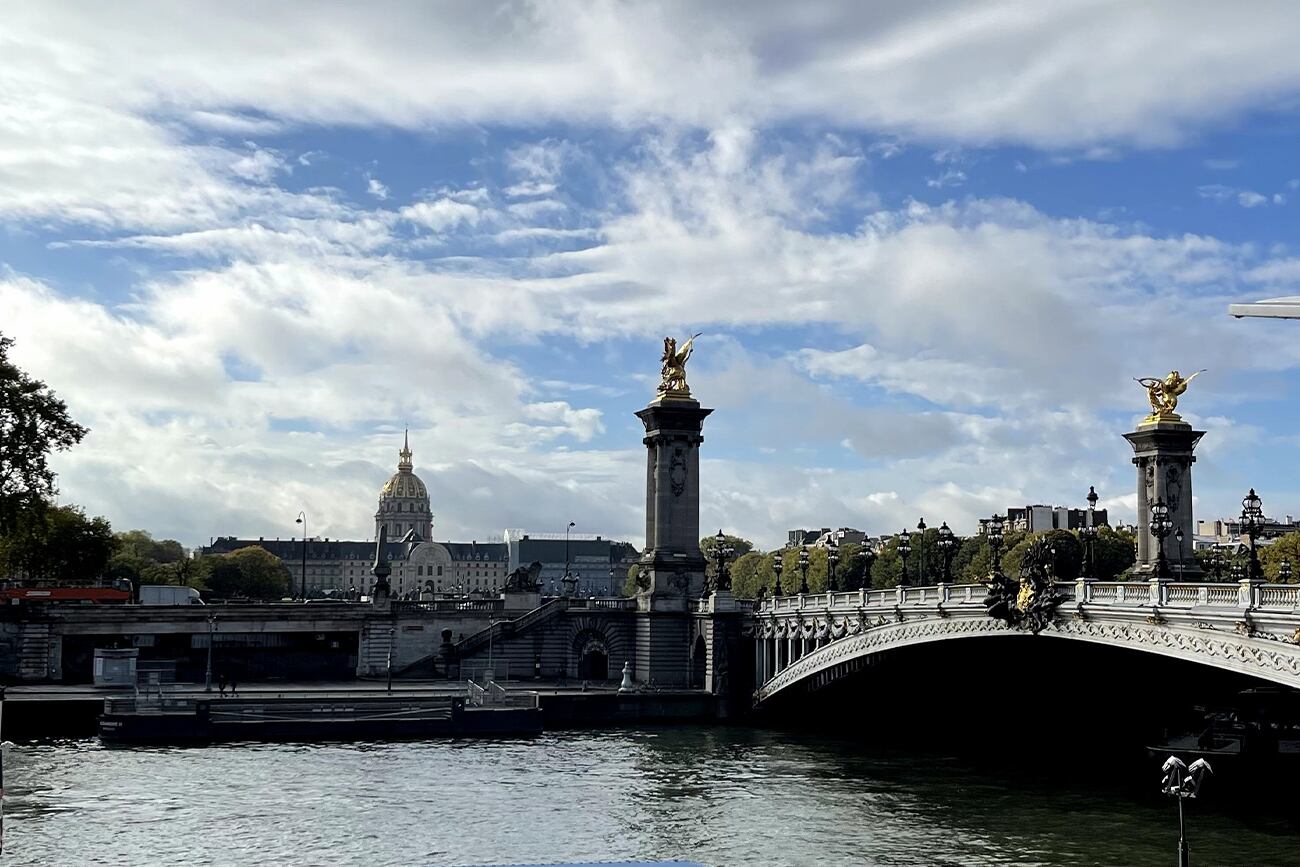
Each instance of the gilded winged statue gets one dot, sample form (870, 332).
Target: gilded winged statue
(1163, 393)
(673, 369)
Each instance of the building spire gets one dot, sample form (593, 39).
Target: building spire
(405, 453)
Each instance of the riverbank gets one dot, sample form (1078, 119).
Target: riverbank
(63, 711)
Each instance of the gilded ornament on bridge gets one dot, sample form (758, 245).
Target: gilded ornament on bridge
(1031, 602)
(673, 369)
(1163, 395)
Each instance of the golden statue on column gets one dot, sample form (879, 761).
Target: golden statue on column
(1163, 395)
(673, 369)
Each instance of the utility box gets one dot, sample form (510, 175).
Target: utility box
(115, 667)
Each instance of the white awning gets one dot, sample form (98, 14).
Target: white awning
(1272, 308)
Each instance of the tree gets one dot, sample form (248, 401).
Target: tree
(747, 574)
(33, 423)
(1115, 553)
(251, 572)
(57, 543)
(1284, 548)
(139, 554)
(1066, 562)
(974, 559)
(854, 570)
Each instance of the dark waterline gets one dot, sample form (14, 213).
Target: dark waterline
(722, 796)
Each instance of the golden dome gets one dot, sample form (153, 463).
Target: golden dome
(404, 483)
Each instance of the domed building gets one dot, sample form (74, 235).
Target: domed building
(404, 502)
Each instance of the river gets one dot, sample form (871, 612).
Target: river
(720, 796)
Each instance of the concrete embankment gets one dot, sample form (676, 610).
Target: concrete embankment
(32, 712)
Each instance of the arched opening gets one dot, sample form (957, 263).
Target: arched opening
(592, 655)
(699, 663)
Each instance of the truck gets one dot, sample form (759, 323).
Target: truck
(168, 594)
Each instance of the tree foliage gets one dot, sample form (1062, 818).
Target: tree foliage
(57, 543)
(1283, 548)
(33, 423)
(252, 572)
(142, 559)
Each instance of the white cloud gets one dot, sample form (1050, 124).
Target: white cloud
(376, 188)
(441, 214)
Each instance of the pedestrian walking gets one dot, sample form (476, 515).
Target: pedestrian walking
(221, 684)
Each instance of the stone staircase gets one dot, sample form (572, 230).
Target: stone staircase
(375, 645)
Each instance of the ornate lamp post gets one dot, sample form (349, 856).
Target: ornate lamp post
(1178, 535)
(723, 551)
(1252, 522)
(994, 533)
(777, 566)
(904, 551)
(947, 548)
(1089, 534)
(1218, 563)
(1284, 572)
(302, 519)
(1160, 527)
(832, 557)
(803, 570)
(920, 552)
(1238, 572)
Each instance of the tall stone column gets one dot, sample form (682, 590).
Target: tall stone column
(1163, 456)
(673, 562)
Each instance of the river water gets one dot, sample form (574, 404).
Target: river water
(720, 796)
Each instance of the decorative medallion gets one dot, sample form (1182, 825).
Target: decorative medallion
(677, 472)
(1031, 602)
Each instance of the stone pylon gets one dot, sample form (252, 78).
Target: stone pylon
(673, 564)
(1163, 457)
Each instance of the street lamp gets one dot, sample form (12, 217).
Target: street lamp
(947, 548)
(1284, 572)
(1218, 563)
(832, 557)
(723, 551)
(207, 676)
(904, 549)
(302, 519)
(1182, 782)
(1089, 534)
(920, 551)
(1160, 527)
(566, 550)
(1178, 534)
(777, 566)
(994, 533)
(1252, 522)
(803, 570)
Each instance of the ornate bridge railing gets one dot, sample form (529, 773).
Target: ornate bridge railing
(1244, 626)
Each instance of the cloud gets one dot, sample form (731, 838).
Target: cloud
(441, 214)
(975, 73)
(376, 188)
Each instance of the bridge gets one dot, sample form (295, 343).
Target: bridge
(1246, 627)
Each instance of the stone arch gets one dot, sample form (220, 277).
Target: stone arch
(591, 655)
(699, 662)
(1268, 659)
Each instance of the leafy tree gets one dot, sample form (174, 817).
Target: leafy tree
(139, 553)
(1115, 553)
(57, 543)
(1067, 561)
(747, 574)
(1284, 548)
(251, 572)
(33, 423)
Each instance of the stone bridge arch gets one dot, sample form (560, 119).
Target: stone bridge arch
(797, 643)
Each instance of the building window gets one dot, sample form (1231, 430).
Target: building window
(439, 571)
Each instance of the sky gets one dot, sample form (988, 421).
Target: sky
(928, 246)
